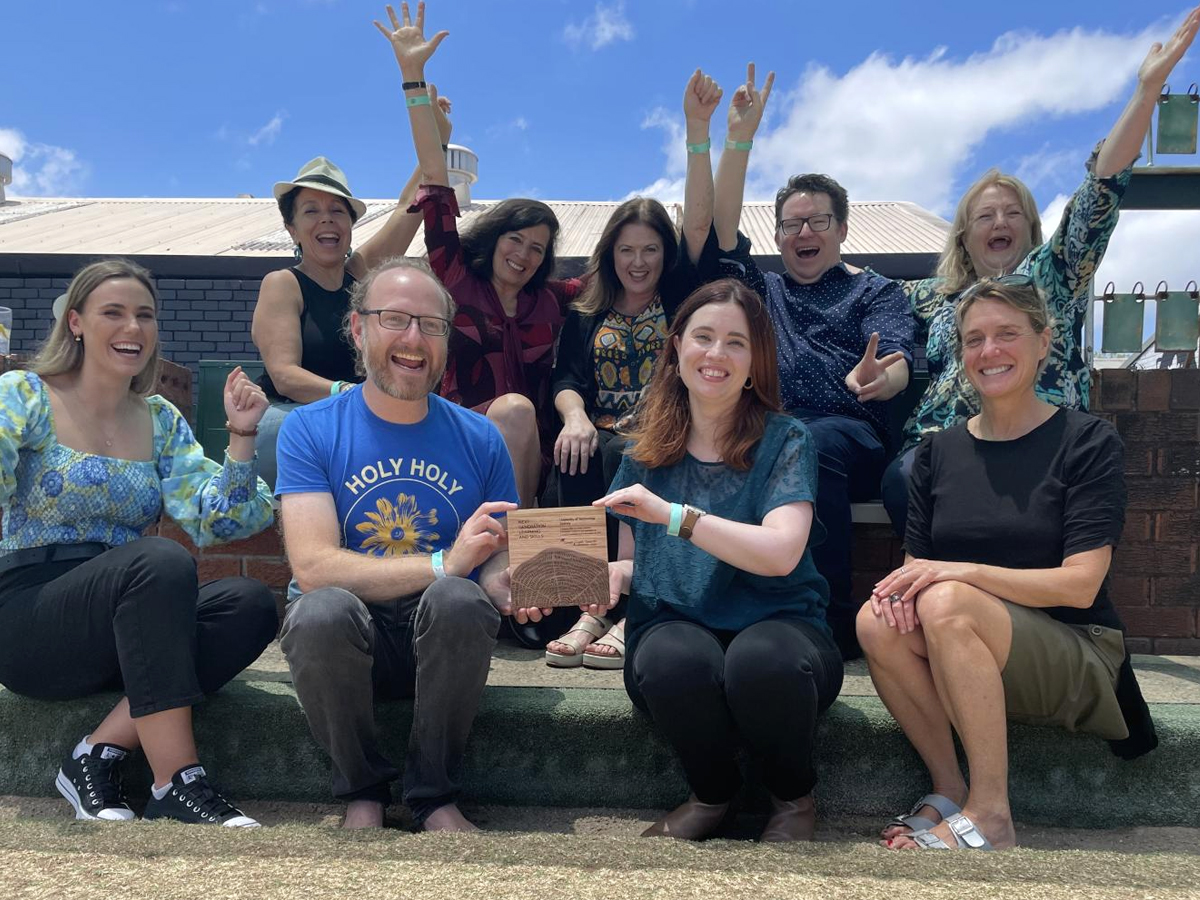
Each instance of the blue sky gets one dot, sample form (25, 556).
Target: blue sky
(571, 100)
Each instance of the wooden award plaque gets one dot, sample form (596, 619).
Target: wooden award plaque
(559, 557)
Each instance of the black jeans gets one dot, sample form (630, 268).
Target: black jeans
(435, 647)
(850, 461)
(133, 618)
(764, 686)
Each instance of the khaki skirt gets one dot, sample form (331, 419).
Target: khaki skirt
(1063, 675)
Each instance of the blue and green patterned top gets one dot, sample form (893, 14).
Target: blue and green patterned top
(52, 494)
(1063, 267)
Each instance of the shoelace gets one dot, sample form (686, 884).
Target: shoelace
(204, 798)
(102, 777)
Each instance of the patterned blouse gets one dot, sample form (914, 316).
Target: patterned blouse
(1063, 267)
(491, 352)
(52, 494)
(625, 349)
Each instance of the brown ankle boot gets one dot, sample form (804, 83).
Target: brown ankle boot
(690, 821)
(791, 820)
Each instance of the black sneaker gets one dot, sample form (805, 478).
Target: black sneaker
(194, 801)
(92, 784)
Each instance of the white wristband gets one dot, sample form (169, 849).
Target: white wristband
(439, 570)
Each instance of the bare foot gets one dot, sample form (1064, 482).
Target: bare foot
(998, 829)
(599, 648)
(363, 814)
(448, 818)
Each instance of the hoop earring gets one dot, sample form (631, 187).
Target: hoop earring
(749, 383)
(298, 253)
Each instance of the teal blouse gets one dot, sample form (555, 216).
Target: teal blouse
(52, 494)
(1063, 267)
(673, 578)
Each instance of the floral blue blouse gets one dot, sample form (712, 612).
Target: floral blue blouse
(1063, 267)
(52, 494)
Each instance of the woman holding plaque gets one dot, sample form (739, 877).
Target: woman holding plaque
(727, 639)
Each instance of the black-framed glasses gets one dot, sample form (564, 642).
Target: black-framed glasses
(819, 222)
(396, 320)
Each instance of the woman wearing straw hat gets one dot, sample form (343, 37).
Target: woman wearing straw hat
(297, 323)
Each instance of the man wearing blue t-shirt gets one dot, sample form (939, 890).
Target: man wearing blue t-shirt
(390, 497)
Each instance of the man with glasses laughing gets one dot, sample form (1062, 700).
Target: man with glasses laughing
(844, 340)
(392, 503)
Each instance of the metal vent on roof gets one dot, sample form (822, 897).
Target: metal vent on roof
(463, 168)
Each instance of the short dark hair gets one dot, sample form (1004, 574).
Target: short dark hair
(479, 244)
(814, 183)
(287, 205)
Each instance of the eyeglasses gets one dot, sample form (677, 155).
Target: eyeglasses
(985, 284)
(820, 222)
(395, 320)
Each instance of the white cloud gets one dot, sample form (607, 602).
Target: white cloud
(669, 188)
(270, 131)
(41, 169)
(606, 25)
(908, 129)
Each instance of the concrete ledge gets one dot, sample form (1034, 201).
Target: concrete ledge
(589, 747)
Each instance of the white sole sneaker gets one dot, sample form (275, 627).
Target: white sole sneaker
(67, 789)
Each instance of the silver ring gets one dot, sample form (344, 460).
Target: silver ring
(895, 597)
(903, 569)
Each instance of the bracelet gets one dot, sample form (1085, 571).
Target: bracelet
(699, 148)
(676, 519)
(419, 100)
(336, 387)
(253, 432)
(439, 570)
(413, 85)
(731, 144)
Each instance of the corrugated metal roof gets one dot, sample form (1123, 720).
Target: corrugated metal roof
(251, 228)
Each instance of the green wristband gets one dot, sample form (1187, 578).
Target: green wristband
(731, 144)
(335, 388)
(676, 519)
(699, 148)
(419, 100)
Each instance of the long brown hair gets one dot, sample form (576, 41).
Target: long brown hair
(664, 415)
(603, 287)
(61, 353)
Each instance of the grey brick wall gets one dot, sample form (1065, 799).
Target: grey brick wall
(198, 318)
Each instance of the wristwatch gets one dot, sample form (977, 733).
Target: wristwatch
(691, 515)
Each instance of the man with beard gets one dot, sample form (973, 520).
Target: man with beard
(390, 500)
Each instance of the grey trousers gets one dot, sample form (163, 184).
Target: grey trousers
(435, 647)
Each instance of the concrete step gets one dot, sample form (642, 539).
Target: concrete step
(555, 738)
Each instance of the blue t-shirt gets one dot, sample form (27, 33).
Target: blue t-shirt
(400, 490)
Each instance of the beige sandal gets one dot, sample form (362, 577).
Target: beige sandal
(607, 661)
(596, 626)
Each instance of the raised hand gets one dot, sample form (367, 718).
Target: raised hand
(746, 107)
(245, 402)
(408, 41)
(701, 97)
(1162, 57)
(869, 378)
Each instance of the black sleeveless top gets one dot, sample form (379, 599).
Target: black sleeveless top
(323, 351)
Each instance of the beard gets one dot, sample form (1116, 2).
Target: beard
(377, 361)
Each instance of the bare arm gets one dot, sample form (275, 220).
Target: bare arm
(772, 549)
(745, 114)
(1124, 142)
(412, 52)
(700, 99)
(313, 544)
(275, 330)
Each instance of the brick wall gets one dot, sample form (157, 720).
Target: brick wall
(199, 318)
(1155, 583)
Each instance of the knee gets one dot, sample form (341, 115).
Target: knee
(256, 607)
(514, 415)
(168, 565)
(322, 619)
(668, 665)
(875, 636)
(456, 606)
(945, 609)
(758, 663)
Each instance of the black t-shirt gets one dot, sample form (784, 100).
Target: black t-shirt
(1027, 503)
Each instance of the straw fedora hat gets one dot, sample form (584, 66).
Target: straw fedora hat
(322, 175)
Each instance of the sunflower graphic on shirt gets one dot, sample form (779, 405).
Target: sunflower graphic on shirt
(399, 529)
